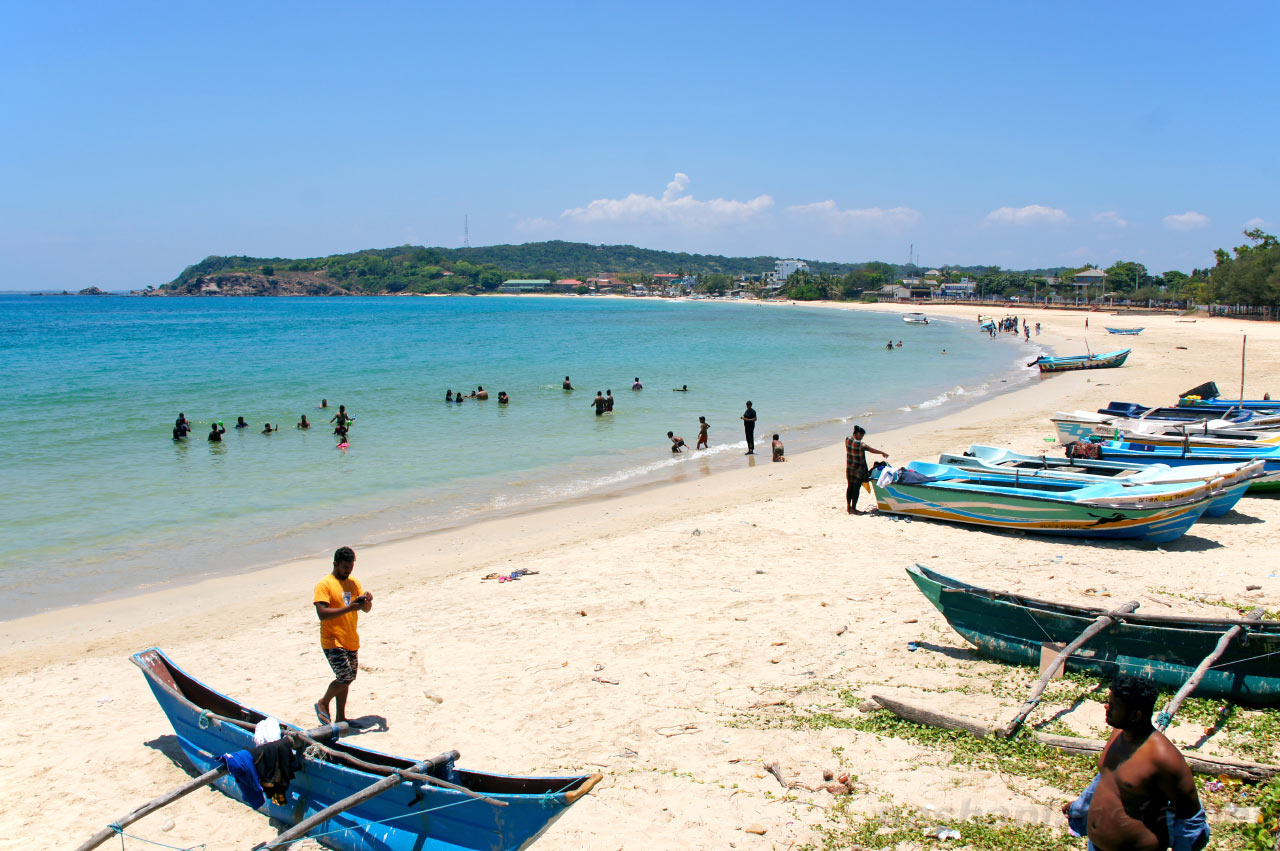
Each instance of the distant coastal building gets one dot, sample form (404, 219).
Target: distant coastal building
(524, 285)
(783, 269)
(963, 289)
(1089, 277)
(566, 285)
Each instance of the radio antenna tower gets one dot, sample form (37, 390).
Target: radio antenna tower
(466, 231)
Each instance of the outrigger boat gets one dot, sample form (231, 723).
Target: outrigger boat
(1050, 363)
(1182, 454)
(365, 800)
(1149, 513)
(1167, 649)
(1229, 481)
(1080, 425)
(1130, 331)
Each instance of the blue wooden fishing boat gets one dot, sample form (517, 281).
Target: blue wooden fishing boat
(1135, 411)
(1208, 396)
(1163, 648)
(1132, 452)
(1130, 331)
(1106, 360)
(1228, 481)
(411, 816)
(1149, 513)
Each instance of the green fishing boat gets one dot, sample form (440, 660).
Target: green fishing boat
(1162, 648)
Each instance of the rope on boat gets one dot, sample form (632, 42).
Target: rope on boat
(120, 830)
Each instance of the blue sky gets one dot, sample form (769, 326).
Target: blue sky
(141, 137)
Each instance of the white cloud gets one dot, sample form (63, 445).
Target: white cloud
(1032, 214)
(1111, 218)
(1189, 220)
(1256, 222)
(829, 212)
(536, 225)
(672, 208)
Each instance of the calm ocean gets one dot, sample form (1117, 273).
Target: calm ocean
(103, 502)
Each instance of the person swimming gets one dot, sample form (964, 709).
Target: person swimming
(324, 403)
(503, 398)
(448, 395)
(889, 345)
(240, 423)
(458, 397)
(683, 388)
(302, 423)
(267, 429)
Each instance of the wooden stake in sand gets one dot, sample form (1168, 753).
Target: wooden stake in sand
(1166, 715)
(1102, 622)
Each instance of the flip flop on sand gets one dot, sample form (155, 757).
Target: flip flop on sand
(322, 715)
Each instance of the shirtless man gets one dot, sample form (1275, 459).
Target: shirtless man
(481, 393)
(1143, 792)
(600, 402)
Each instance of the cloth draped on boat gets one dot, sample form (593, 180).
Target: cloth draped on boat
(1188, 834)
(240, 767)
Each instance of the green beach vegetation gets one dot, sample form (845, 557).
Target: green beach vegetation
(1249, 275)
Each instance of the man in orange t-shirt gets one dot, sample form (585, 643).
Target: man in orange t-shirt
(339, 599)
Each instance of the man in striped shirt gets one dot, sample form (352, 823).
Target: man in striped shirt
(855, 466)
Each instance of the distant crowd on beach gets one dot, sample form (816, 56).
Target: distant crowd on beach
(342, 422)
(1009, 325)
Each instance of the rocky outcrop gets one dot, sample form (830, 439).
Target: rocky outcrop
(250, 284)
(93, 291)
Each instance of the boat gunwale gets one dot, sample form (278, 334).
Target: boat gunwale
(1264, 627)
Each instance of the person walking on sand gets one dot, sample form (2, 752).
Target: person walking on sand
(749, 426)
(703, 427)
(1143, 796)
(855, 466)
(600, 402)
(339, 599)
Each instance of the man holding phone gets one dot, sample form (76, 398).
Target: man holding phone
(339, 599)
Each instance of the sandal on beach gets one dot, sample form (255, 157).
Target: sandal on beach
(322, 715)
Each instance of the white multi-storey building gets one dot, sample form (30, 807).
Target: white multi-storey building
(783, 269)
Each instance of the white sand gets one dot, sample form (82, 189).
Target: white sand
(701, 599)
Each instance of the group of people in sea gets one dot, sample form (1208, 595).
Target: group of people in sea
(1008, 325)
(479, 394)
(342, 422)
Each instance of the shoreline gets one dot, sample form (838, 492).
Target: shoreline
(376, 528)
(700, 599)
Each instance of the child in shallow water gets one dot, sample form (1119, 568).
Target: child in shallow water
(677, 443)
(778, 451)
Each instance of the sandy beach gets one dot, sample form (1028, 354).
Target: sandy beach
(718, 609)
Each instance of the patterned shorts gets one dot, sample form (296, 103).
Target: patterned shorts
(344, 663)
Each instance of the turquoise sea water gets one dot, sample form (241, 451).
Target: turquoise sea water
(102, 501)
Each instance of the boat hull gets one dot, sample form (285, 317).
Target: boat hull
(1155, 525)
(1145, 453)
(1164, 649)
(1133, 332)
(411, 815)
(1048, 363)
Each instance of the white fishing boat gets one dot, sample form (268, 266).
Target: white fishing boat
(915, 319)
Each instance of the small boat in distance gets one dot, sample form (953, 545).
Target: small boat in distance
(1106, 360)
(1133, 331)
(1163, 648)
(915, 319)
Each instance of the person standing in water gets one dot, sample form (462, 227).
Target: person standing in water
(779, 452)
(608, 401)
(1143, 796)
(749, 426)
(303, 423)
(703, 427)
(339, 599)
(567, 385)
(600, 402)
(341, 418)
(677, 443)
(637, 385)
(216, 431)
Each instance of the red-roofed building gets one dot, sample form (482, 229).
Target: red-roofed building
(565, 285)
